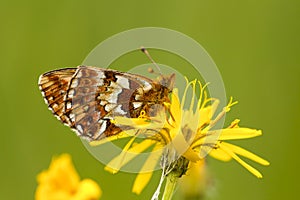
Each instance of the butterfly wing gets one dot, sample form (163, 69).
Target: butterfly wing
(96, 96)
(54, 86)
(91, 97)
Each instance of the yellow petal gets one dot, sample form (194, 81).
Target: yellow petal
(156, 122)
(237, 133)
(239, 160)
(61, 173)
(205, 115)
(246, 154)
(207, 112)
(205, 139)
(143, 178)
(225, 134)
(175, 107)
(195, 182)
(141, 181)
(127, 155)
(115, 165)
(87, 190)
(191, 121)
(123, 134)
(61, 182)
(183, 148)
(219, 154)
(134, 122)
(191, 155)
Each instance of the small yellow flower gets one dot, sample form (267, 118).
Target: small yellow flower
(61, 182)
(180, 136)
(196, 181)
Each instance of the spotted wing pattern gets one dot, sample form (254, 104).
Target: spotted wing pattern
(54, 86)
(87, 98)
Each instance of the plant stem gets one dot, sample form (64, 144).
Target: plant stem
(172, 179)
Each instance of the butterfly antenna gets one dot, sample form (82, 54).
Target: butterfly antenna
(144, 50)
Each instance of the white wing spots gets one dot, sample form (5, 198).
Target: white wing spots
(113, 97)
(137, 104)
(79, 73)
(46, 101)
(57, 117)
(71, 93)
(123, 82)
(79, 129)
(138, 97)
(40, 81)
(116, 109)
(103, 102)
(109, 89)
(109, 107)
(119, 110)
(69, 105)
(140, 91)
(108, 117)
(49, 106)
(101, 96)
(114, 85)
(100, 82)
(43, 93)
(147, 86)
(102, 127)
(76, 131)
(74, 83)
(100, 75)
(72, 117)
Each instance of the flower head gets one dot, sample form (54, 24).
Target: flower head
(180, 136)
(61, 182)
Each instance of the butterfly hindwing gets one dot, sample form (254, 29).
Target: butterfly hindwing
(95, 96)
(88, 98)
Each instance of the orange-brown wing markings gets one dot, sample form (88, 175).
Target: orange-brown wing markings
(54, 86)
(87, 98)
(96, 96)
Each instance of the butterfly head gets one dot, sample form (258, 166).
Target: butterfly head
(167, 81)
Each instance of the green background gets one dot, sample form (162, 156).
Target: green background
(255, 45)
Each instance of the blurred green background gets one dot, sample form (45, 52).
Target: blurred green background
(255, 44)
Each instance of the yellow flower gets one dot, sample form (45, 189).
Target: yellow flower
(61, 182)
(196, 181)
(180, 136)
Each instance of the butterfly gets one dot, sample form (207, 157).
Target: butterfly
(88, 98)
